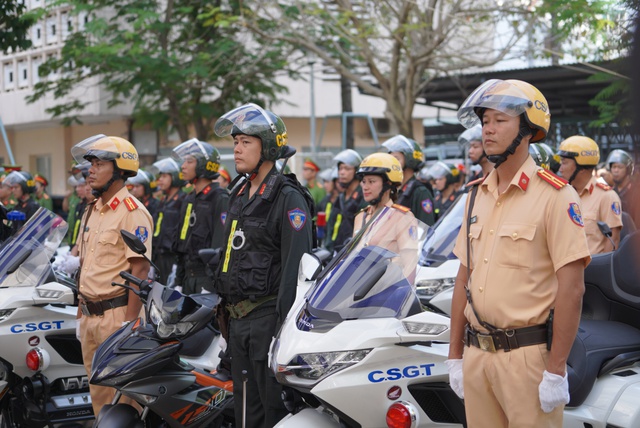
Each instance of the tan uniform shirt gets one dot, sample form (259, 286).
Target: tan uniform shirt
(103, 253)
(599, 202)
(519, 239)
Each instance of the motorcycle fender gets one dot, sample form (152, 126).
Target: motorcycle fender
(311, 418)
(626, 412)
(118, 416)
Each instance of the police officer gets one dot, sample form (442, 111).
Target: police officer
(143, 185)
(84, 193)
(165, 234)
(349, 202)
(621, 165)
(447, 176)
(522, 250)
(41, 196)
(412, 194)
(103, 308)
(6, 195)
(598, 202)
(267, 231)
(23, 186)
(472, 139)
(202, 216)
(310, 171)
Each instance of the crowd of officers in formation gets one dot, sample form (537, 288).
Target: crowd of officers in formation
(194, 203)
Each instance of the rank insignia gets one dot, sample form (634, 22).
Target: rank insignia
(427, 206)
(114, 204)
(130, 204)
(297, 218)
(575, 214)
(142, 233)
(615, 207)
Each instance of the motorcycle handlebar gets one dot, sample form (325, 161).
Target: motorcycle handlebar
(131, 278)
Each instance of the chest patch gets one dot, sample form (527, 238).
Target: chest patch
(574, 214)
(297, 219)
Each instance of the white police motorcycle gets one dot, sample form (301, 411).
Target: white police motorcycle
(358, 350)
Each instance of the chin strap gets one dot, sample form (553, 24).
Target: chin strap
(117, 174)
(253, 174)
(523, 132)
(385, 187)
(482, 156)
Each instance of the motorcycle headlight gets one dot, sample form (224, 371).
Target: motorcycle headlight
(307, 370)
(166, 330)
(427, 288)
(424, 328)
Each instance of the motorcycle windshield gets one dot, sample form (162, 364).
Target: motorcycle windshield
(25, 257)
(441, 238)
(372, 278)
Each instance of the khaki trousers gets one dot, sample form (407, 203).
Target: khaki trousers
(501, 388)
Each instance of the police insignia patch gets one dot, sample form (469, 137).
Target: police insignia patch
(223, 217)
(575, 214)
(615, 207)
(297, 218)
(427, 206)
(142, 233)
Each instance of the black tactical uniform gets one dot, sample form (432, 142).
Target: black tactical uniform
(28, 207)
(201, 225)
(166, 233)
(77, 220)
(343, 215)
(266, 235)
(416, 196)
(152, 205)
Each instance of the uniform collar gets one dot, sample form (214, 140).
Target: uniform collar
(115, 200)
(262, 186)
(520, 180)
(588, 188)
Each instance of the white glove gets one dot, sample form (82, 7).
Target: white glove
(178, 288)
(70, 264)
(205, 291)
(455, 376)
(78, 328)
(553, 391)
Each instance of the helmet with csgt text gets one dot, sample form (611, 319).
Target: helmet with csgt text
(512, 97)
(168, 166)
(582, 149)
(382, 164)
(22, 179)
(251, 119)
(413, 156)
(206, 156)
(111, 148)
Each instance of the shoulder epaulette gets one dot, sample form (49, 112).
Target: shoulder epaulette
(604, 186)
(476, 182)
(130, 204)
(400, 208)
(552, 179)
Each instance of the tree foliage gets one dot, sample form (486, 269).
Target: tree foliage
(394, 48)
(180, 62)
(14, 25)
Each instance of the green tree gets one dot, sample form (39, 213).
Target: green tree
(394, 48)
(181, 63)
(14, 25)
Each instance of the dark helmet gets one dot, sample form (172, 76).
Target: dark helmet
(349, 157)
(251, 119)
(206, 155)
(145, 179)
(169, 166)
(22, 178)
(80, 172)
(413, 156)
(450, 171)
(620, 156)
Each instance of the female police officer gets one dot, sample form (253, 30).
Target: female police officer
(267, 230)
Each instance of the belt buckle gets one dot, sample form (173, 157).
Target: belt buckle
(486, 342)
(84, 310)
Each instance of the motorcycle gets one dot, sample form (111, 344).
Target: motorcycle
(42, 378)
(155, 362)
(355, 351)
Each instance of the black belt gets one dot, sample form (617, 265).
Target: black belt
(507, 339)
(101, 306)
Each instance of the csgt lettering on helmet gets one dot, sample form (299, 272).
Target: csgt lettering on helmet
(589, 153)
(212, 166)
(540, 105)
(281, 139)
(129, 155)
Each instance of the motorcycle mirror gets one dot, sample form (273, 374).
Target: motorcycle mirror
(310, 266)
(133, 242)
(604, 228)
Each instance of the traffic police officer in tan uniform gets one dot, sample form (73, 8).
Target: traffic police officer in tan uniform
(599, 202)
(523, 250)
(103, 308)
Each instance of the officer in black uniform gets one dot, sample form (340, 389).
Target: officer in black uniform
(144, 184)
(165, 233)
(268, 229)
(23, 186)
(447, 176)
(202, 216)
(81, 172)
(413, 194)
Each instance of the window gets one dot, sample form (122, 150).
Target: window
(51, 30)
(23, 74)
(37, 34)
(35, 65)
(9, 81)
(83, 18)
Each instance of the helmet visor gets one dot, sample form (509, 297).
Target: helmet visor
(165, 166)
(439, 170)
(493, 94)
(249, 119)
(140, 178)
(192, 147)
(98, 146)
(472, 134)
(14, 178)
(399, 143)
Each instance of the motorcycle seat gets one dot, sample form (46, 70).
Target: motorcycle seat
(596, 343)
(197, 345)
